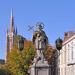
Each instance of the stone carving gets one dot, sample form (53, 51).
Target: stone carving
(40, 41)
(40, 65)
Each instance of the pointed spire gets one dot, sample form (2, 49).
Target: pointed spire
(11, 22)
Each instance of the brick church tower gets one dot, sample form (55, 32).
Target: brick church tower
(11, 33)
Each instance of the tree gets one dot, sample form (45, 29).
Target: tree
(18, 62)
(2, 71)
(49, 53)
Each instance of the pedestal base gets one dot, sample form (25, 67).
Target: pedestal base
(40, 69)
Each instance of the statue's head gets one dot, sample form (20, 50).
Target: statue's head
(39, 26)
(39, 32)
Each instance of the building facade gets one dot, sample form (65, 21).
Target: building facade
(67, 55)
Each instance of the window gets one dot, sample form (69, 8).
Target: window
(72, 50)
(68, 51)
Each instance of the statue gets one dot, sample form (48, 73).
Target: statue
(40, 41)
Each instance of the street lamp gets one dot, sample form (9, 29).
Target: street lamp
(56, 53)
(58, 43)
(21, 47)
(21, 44)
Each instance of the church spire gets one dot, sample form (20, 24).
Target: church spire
(12, 22)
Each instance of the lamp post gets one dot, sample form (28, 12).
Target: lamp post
(56, 53)
(21, 44)
(58, 44)
(21, 47)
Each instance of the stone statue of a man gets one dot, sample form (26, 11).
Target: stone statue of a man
(40, 41)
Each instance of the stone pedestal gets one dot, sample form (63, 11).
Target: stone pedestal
(40, 69)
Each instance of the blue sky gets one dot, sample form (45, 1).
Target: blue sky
(58, 17)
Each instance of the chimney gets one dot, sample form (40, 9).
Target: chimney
(67, 35)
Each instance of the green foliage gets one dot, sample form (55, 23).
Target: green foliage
(18, 62)
(2, 72)
(49, 53)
